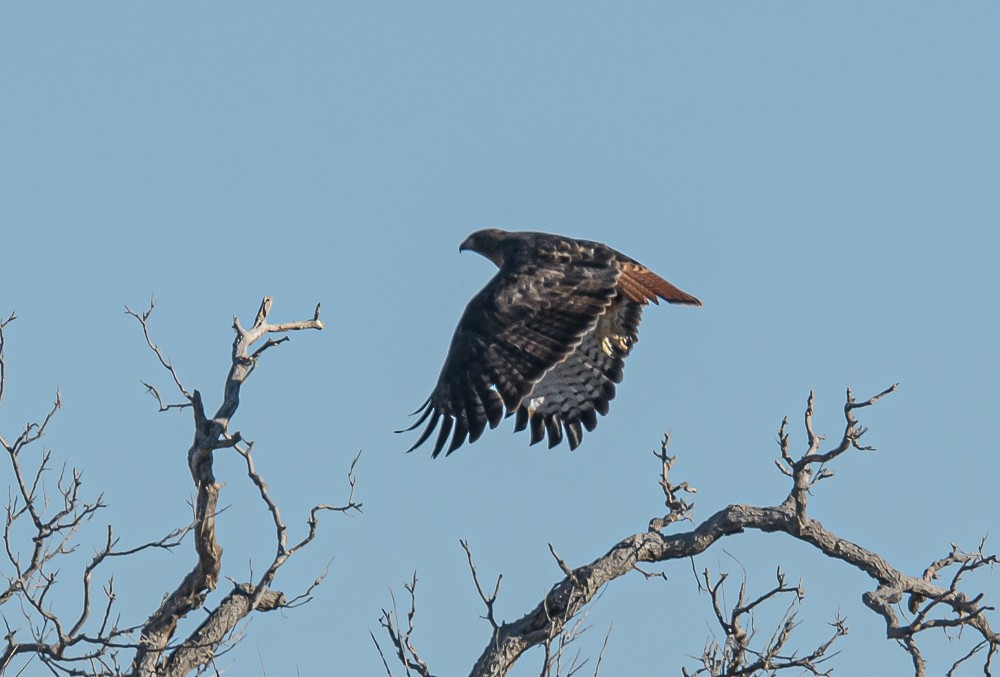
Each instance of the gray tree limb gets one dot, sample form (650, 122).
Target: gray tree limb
(89, 641)
(210, 434)
(569, 596)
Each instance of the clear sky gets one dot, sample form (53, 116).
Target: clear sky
(823, 176)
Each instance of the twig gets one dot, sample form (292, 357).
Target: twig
(403, 639)
(488, 600)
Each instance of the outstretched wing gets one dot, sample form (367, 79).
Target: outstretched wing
(527, 319)
(569, 396)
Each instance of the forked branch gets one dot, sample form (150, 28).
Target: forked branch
(155, 655)
(579, 586)
(737, 653)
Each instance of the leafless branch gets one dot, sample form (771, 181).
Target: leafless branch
(567, 597)
(281, 531)
(143, 320)
(604, 647)
(737, 654)
(678, 508)
(402, 639)
(212, 434)
(385, 661)
(3, 363)
(154, 391)
(91, 640)
(488, 600)
(52, 516)
(562, 656)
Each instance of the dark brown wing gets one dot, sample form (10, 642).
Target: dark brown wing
(527, 319)
(569, 396)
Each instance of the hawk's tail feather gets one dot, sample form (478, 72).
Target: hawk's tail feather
(641, 284)
(555, 427)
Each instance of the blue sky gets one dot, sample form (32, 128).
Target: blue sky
(823, 177)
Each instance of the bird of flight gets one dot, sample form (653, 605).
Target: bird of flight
(545, 340)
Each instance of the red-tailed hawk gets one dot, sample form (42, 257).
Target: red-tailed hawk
(546, 339)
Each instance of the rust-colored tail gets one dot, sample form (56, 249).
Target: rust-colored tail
(642, 285)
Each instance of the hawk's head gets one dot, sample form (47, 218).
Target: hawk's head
(487, 242)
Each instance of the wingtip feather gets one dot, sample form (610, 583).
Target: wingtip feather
(442, 437)
(427, 431)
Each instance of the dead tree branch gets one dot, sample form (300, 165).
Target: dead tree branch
(49, 518)
(154, 655)
(488, 600)
(92, 640)
(402, 638)
(579, 586)
(737, 655)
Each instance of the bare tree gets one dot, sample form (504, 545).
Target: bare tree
(44, 516)
(739, 651)
(94, 641)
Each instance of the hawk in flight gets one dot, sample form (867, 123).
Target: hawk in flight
(545, 340)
